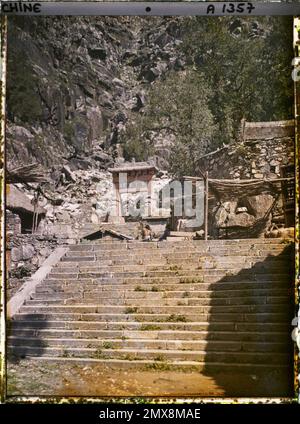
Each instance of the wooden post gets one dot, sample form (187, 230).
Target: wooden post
(206, 206)
(33, 219)
(36, 218)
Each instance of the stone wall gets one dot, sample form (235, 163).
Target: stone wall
(260, 152)
(263, 147)
(13, 223)
(24, 255)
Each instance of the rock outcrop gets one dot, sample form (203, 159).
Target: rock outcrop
(88, 74)
(84, 80)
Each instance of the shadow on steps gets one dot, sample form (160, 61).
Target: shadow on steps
(36, 323)
(261, 364)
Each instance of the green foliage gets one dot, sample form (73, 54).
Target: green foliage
(131, 310)
(139, 289)
(160, 358)
(107, 345)
(23, 100)
(69, 131)
(150, 327)
(158, 366)
(247, 64)
(98, 354)
(154, 289)
(177, 105)
(135, 142)
(236, 68)
(175, 268)
(176, 318)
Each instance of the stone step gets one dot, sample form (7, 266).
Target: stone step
(140, 335)
(187, 244)
(135, 259)
(23, 322)
(162, 304)
(132, 257)
(183, 301)
(263, 317)
(210, 275)
(153, 309)
(164, 277)
(177, 253)
(169, 250)
(210, 278)
(153, 295)
(154, 354)
(179, 266)
(175, 365)
(78, 258)
(109, 273)
(266, 243)
(154, 286)
(191, 254)
(69, 267)
(156, 274)
(150, 344)
(167, 261)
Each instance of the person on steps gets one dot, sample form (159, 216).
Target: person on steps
(147, 233)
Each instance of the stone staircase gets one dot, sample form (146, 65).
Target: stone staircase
(206, 305)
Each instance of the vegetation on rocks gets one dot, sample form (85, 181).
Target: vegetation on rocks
(167, 88)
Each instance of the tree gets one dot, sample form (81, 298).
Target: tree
(247, 64)
(177, 109)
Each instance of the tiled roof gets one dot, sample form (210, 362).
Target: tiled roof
(133, 166)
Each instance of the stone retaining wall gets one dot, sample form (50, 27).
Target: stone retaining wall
(263, 147)
(24, 255)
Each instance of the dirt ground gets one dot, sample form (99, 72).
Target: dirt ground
(34, 378)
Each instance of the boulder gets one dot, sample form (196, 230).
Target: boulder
(227, 216)
(22, 253)
(259, 205)
(243, 219)
(97, 53)
(28, 252)
(70, 176)
(150, 74)
(16, 254)
(63, 216)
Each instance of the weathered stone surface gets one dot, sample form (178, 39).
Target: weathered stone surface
(226, 216)
(262, 157)
(68, 173)
(16, 254)
(27, 252)
(92, 81)
(231, 216)
(85, 79)
(260, 204)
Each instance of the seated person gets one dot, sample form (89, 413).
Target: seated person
(147, 233)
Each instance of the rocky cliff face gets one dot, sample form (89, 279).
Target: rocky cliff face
(74, 85)
(82, 77)
(76, 82)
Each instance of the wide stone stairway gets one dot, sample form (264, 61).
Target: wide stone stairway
(201, 305)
